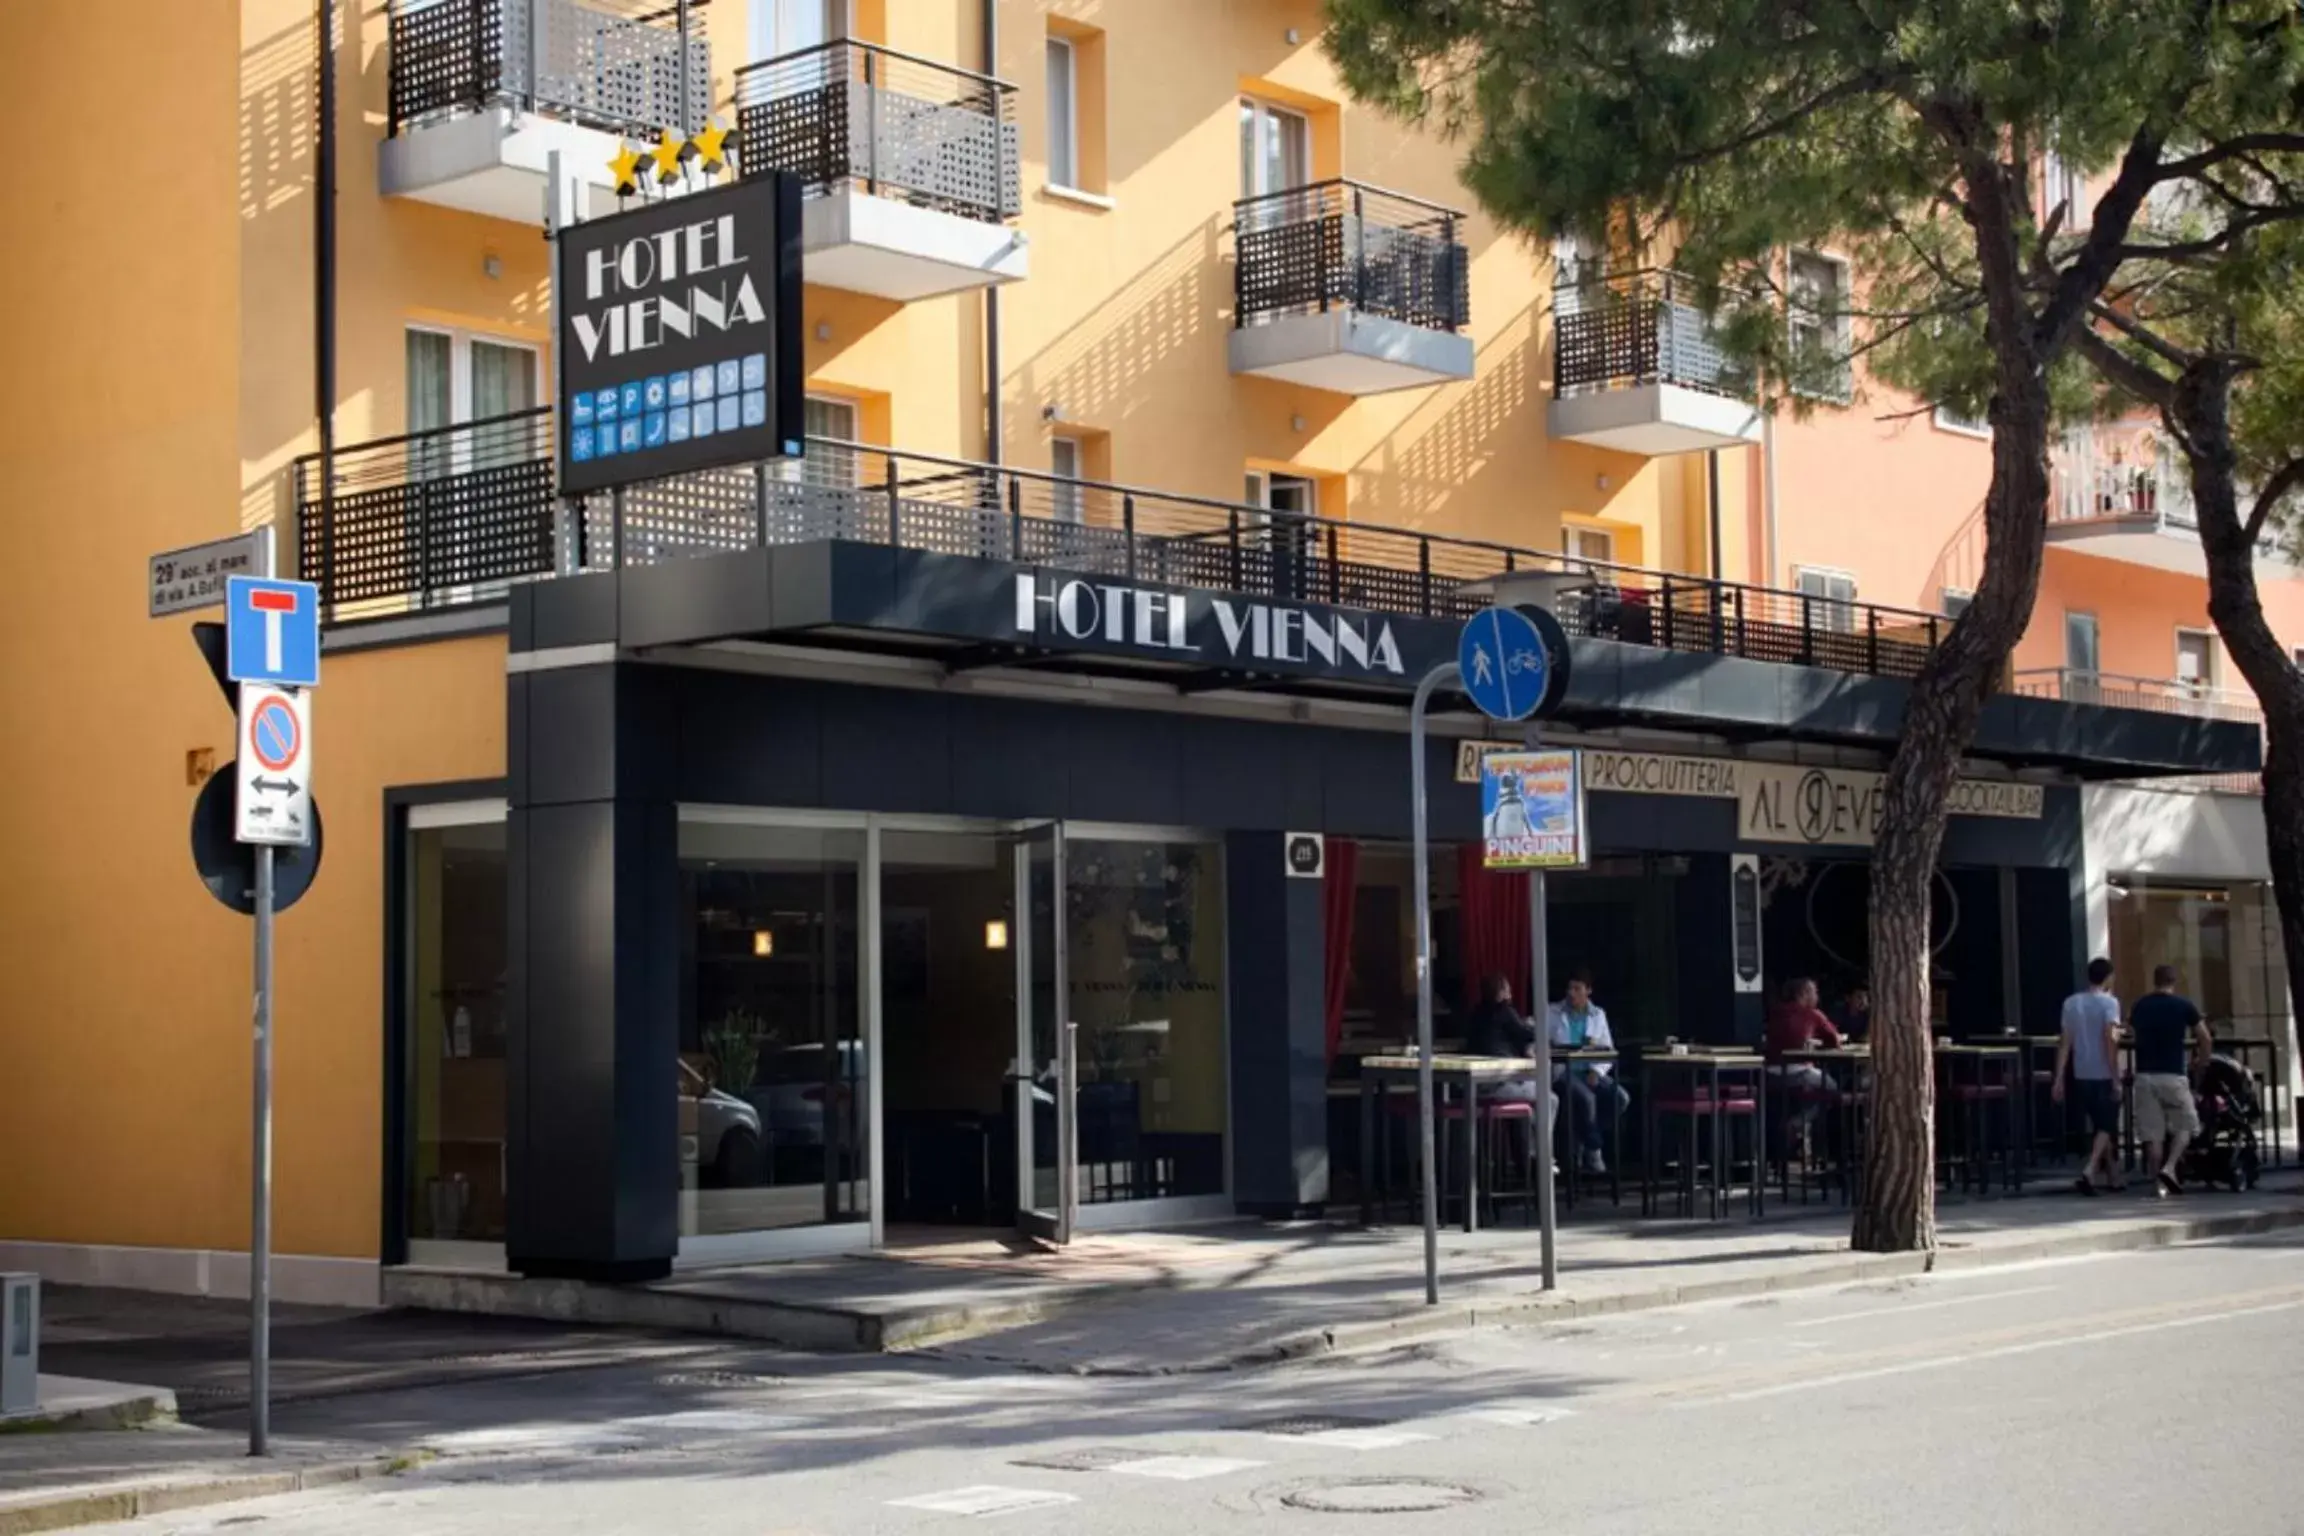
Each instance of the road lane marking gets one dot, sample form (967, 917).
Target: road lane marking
(983, 1499)
(2004, 1351)
(1922, 1306)
(1360, 1439)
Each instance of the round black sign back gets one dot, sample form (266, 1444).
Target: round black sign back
(227, 866)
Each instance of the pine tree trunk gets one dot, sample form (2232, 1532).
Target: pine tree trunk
(2200, 410)
(1896, 1212)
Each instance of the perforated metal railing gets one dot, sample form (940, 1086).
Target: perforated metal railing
(1636, 328)
(850, 114)
(612, 64)
(451, 517)
(1347, 244)
(2162, 695)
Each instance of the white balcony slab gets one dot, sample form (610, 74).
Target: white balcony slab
(495, 162)
(1347, 352)
(1654, 420)
(861, 243)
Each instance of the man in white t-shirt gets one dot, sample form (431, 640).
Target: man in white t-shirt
(1594, 1097)
(2089, 1047)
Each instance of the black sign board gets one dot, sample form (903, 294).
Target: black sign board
(680, 345)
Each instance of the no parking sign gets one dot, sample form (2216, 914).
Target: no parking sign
(274, 760)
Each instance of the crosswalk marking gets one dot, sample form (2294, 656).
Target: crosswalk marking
(1361, 1439)
(1183, 1469)
(983, 1499)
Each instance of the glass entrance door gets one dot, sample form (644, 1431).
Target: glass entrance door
(1046, 1079)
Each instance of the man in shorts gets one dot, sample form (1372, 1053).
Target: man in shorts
(2089, 1050)
(2169, 1031)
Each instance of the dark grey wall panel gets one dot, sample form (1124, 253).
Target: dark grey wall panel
(1276, 951)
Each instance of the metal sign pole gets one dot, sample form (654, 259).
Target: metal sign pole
(1540, 1000)
(260, 1217)
(1437, 678)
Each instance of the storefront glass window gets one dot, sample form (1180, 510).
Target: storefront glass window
(1145, 945)
(772, 1075)
(453, 1033)
(2188, 927)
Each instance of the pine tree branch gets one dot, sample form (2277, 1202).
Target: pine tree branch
(2287, 478)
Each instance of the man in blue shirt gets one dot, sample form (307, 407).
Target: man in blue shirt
(1594, 1097)
(2166, 1025)
(2089, 1048)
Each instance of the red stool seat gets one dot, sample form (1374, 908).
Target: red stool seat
(1705, 1104)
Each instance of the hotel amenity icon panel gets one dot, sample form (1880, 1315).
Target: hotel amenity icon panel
(668, 408)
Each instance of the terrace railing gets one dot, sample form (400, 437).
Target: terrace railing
(850, 114)
(449, 517)
(1345, 244)
(1635, 329)
(2163, 695)
(609, 64)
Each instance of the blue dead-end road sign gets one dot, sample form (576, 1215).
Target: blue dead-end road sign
(1504, 662)
(272, 632)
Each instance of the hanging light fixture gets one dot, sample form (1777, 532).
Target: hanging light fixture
(763, 943)
(996, 933)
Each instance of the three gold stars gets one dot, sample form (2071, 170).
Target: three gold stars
(707, 148)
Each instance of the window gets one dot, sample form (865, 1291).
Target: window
(454, 378)
(1063, 114)
(2080, 650)
(1818, 322)
(1579, 263)
(1949, 419)
(1595, 544)
(2297, 656)
(825, 416)
(1068, 463)
(1837, 591)
(782, 27)
(2063, 185)
(1275, 156)
(1955, 602)
(2196, 661)
(1283, 493)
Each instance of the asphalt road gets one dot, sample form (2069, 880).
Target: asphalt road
(2138, 1392)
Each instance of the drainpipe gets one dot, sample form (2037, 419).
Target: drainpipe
(992, 422)
(324, 296)
(1712, 502)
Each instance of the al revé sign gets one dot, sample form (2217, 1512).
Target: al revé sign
(679, 335)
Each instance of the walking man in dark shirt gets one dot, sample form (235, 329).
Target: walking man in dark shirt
(2169, 1030)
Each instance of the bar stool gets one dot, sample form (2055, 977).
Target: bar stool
(1567, 1149)
(1981, 1104)
(1494, 1133)
(1696, 1105)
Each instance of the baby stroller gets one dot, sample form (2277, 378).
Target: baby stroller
(2225, 1151)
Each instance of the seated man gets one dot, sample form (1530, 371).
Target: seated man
(1795, 1024)
(1594, 1097)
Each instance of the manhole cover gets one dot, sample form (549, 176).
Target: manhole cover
(1379, 1496)
(1309, 1424)
(1094, 1458)
(733, 1379)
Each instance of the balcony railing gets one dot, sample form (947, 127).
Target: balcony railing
(615, 65)
(2162, 695)
(1345, 244)
(849, 114)
(438, 519)
(431, 519)
(1634, 329)
(2108, 475)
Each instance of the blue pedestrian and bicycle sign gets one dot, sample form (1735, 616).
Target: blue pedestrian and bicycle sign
(1506, 667)
(272, 632)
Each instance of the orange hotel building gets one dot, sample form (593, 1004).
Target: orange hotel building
(697, 874)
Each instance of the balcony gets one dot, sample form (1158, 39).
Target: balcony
(2160, 695)
(1635, 369)
(2117, 492)
(909, 168)
(1349, 288)
(483, 91)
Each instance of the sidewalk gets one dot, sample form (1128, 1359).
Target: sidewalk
(1216, 1297)
(51, 1481)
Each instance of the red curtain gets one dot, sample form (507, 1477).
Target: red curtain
(1495, 915)
(1336, 895)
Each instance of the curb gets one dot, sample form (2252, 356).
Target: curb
(1412, 1324)
(138, 1500)
(146, 1410)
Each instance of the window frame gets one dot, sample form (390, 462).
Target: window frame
(1258, 110)
(1572, 534)
(460, 341)
(2206, 683)
(1944, 420)
(1838, 613)
(1065, 177)
(1946, 597)
(760, 29)
(1841, 326)
(2095, 630)
(1068, 504)
(830, 475)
